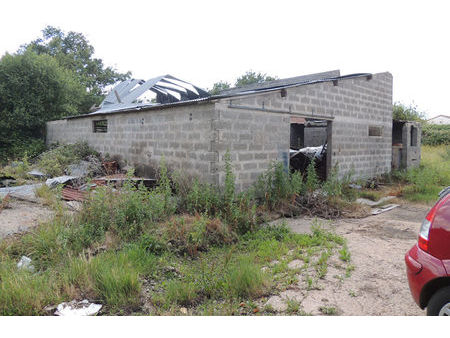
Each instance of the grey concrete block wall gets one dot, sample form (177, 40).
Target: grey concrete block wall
(315, 136)
(352, 104)
(254, 139)
(255, 128)
(181, 134)
(411, 140)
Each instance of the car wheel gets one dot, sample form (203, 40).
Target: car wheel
(439, 304)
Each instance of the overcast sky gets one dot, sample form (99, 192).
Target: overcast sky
(207, 41)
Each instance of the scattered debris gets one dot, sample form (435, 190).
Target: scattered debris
(36, 173)
(89, 168)
(372, 203)
(73, 194)
(53, 182)
(110, 167)
(7, 181)
(22, 192)
(355, 186)
(74, 308)
(117, 180)
(25, 263)
(183, 310)
(384, 209)
(80, 169)
(299, 160)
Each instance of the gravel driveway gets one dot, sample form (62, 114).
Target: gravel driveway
(21, 216)
(378, 284)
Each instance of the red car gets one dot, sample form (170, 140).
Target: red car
(428, 262)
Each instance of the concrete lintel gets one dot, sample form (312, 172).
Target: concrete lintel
(279, 111)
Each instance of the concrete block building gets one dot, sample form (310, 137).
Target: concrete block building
(253, 123)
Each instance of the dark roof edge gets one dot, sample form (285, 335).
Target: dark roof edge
(257, 91)
(217, 97)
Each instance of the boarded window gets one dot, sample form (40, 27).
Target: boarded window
(100, 126)
(375, 131)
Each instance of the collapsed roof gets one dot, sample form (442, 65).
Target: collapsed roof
(137, 93)
(133, 95)
(282, 82)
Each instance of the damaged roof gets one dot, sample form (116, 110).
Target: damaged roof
(159, 90)
(129, 94)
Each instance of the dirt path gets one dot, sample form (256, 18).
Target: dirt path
(378, 284)
(21, 216)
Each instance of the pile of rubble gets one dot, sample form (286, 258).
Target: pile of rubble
(80, 178)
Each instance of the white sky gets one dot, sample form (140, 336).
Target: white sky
(207, 41)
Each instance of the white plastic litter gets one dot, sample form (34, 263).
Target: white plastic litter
(25, 263)
(74, 308)
(384, 209)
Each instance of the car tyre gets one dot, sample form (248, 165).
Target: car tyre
(439, 303)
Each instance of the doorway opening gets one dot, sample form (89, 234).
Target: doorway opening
(310, 139)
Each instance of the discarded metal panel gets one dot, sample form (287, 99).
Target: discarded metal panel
(23, 192)
(73, 194)
(53, 182)
(36, 173)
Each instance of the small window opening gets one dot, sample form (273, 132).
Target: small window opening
(375, 131)
(100, 126)
(413, 136)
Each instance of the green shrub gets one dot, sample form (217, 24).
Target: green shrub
(152, 244)
(312, 181)
(433, 134)
(241, 214)
(230, 178)
(277, 186)
(54, 161)
(202, 198)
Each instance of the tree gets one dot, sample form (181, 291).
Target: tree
(219, 87)
(73, 52)
(402, 112)
(246, 79)
(33, 90)
(251, 77)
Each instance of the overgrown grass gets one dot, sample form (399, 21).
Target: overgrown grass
(426, 181)
(124, 239)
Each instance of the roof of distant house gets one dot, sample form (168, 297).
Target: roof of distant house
(446, 116)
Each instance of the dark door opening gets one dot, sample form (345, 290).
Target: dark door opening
(310, 140)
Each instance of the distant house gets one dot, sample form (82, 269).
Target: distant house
(440, 119)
